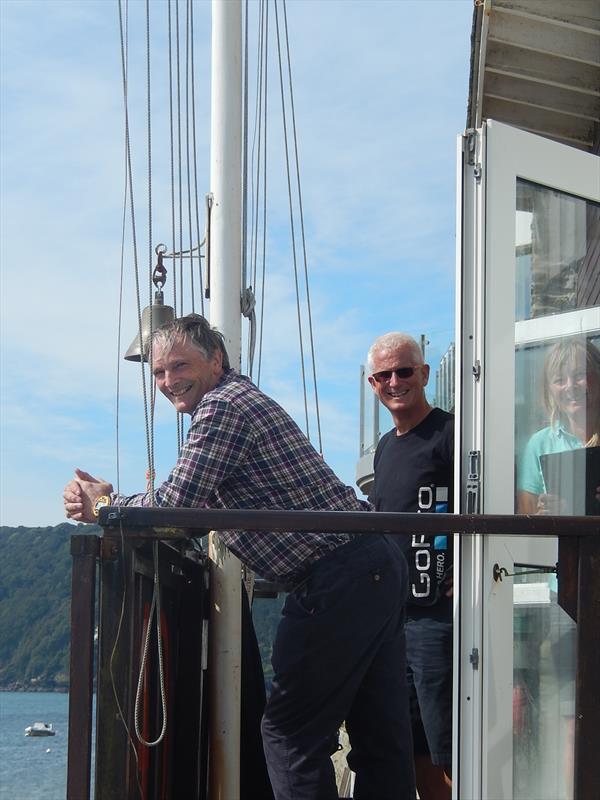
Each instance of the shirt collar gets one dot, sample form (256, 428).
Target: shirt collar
(562, 433)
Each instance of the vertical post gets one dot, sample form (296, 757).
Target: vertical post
(225, 314)
(587, 699)
(84, 550)
(361, 428)
(119, 635)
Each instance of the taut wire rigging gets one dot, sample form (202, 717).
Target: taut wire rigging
(185, 234)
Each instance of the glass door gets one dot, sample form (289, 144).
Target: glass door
(530, 422)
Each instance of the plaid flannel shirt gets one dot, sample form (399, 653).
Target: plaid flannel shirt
(244, 451)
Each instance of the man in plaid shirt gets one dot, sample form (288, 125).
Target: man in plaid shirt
(340, 641)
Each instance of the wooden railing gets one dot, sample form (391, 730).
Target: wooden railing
(125, 553)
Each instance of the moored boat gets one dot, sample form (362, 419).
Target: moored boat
(40, 729)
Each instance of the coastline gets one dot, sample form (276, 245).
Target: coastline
(20, 687)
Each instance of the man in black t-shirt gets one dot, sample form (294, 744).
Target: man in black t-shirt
(414, 472)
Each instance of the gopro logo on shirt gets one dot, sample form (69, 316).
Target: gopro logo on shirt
(429, 567)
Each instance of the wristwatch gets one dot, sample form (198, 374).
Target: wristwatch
(101, 502)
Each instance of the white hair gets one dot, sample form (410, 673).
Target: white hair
(388, 343)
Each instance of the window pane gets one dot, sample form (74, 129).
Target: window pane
(557, 426)
(557, 252)
(557, 464)
(543, 691)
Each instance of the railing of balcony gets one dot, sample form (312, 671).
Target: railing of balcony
(126, 580)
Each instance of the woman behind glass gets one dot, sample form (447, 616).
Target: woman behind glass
(571, 394)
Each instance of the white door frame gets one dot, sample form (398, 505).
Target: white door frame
(490, 161)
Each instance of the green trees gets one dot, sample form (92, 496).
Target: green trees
(35, 597)
(35, 602)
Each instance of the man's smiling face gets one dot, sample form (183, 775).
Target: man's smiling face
(402, 396)
(184, 375)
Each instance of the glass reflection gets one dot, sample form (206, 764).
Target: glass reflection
(549, 483)
(543, 692)
(557, 252)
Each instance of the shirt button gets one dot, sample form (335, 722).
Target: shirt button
(376, 576)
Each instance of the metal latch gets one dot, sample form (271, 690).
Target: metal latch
(474, 658)
(473, 482)
(536, 569)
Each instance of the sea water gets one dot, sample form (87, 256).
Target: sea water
(33, 767)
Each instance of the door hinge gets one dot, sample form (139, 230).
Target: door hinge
(471, 150)
(474, 658)
(473, 482)
(471, 143)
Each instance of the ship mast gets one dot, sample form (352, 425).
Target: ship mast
(225, 314)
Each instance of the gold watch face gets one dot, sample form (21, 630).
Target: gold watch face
(101, 502)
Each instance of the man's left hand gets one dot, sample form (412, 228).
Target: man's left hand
(80, 495)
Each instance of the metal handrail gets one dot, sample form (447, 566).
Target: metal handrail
(177, 522)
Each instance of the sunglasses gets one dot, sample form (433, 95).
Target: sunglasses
(400, 372)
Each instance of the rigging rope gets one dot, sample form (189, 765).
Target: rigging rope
(179, 160)
(258, 225)
(195, 160)
(133, 231)
(150, 254)
(155, 609)
(245, 152)
(259, 191)
(179, 432)
(303, 236)
(155, 605)
(124, 43)
(247, 299)
(262, 107)
(187, 149)
(257, 106)
(129, 186)
(292, 230)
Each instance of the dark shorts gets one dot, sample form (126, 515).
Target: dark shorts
(429, 671)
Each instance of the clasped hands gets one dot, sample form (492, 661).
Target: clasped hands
(80, 495)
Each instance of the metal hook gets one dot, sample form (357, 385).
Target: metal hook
(159, 276)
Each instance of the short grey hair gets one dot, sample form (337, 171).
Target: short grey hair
(388, 343)
(195, 330)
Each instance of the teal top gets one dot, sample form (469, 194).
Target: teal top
(547, 440)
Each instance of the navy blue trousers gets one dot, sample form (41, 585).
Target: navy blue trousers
(339, 654)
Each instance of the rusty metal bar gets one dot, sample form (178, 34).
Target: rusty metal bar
(173, 523)
(84, 550)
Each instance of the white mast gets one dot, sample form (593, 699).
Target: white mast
(225, 314)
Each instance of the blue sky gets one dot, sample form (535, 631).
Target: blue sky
(380, 92)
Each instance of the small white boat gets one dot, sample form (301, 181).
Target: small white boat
(40, 729)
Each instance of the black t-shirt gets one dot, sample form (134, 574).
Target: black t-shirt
(414, 472)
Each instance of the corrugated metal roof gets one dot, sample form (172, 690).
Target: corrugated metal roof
(535, 64)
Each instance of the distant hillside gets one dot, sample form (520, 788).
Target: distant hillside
(35, 595)
(35, 600)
